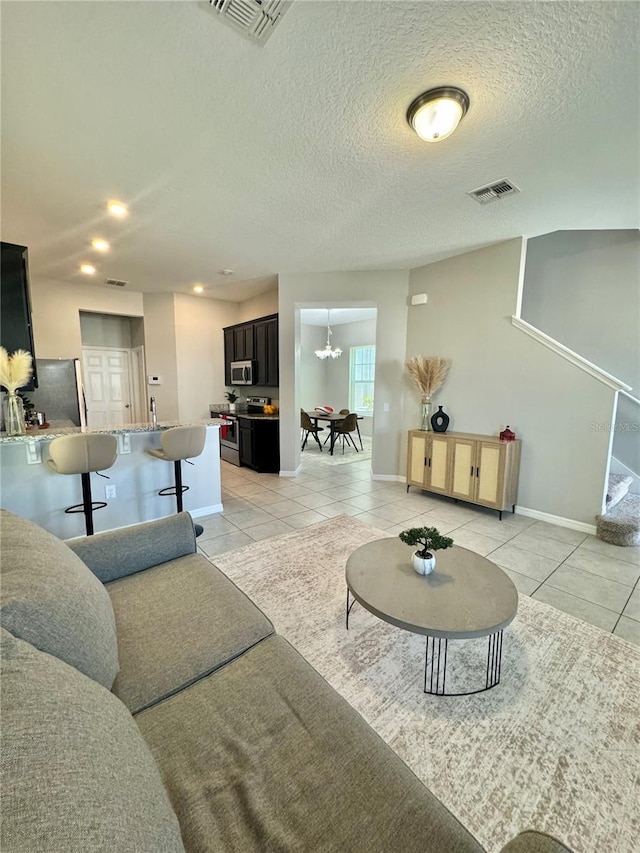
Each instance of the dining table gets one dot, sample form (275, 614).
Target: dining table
(332, 418)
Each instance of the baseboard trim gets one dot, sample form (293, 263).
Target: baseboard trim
(291, 473)
(391, 478)
(205, 510)
(580, 526)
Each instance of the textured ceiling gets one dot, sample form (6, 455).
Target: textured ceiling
(296, 156)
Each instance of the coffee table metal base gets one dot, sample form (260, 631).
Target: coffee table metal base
(435, 666)
(435, 661)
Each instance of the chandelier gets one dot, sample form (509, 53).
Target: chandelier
(328, 352)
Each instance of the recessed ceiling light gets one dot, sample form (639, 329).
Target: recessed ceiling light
(225, 272)
(198, 288)
(117, 208)
(435, 114)
(87, 269)
(100, 245)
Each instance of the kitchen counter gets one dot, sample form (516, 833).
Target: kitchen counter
(31, 489)
(121, 429)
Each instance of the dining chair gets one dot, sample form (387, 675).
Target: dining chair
(341, 412)
(343, 430)
(308, 427)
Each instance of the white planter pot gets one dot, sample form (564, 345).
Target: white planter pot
(423, 567)
(232, 407)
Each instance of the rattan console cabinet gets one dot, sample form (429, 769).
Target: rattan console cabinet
(479, 469)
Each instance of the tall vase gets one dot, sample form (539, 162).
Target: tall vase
(13, 412)
(425, 420)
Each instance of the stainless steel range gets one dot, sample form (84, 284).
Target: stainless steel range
(230, 429)
(229, 434)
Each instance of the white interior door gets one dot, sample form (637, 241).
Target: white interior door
(106, 386)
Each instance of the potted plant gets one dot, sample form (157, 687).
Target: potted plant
(427, 372)
(423, 560)
(231, 397)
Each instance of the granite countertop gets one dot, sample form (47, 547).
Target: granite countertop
(243, 413)
(56, 432)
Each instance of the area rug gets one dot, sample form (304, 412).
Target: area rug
(556, 746)
(312, 453)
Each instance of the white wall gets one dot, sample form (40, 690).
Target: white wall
(56, 308)
(200, 352)
(387, 291)
(260, 306)
(501, 376)
(583, 289)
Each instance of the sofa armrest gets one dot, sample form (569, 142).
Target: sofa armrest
(133, 549)
(531, 841)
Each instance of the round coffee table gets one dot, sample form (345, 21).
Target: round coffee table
(466, 596)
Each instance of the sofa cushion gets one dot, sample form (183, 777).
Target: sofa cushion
(76, 774)
(49, 598)
(264, 755)
(531, 841)
(176, 623)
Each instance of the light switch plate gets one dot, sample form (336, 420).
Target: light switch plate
(34, 453)
(124, 443)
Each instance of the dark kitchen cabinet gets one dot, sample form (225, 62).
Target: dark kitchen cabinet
(260, 444)
(16, 331)
(228, 355)
(266, 351)
(243, 342)
(258, 342)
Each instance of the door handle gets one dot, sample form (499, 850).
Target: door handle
(126, 405)
(477, 472)
(471, 474)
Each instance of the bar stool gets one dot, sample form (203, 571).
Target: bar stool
(176, 444)
(82, 454)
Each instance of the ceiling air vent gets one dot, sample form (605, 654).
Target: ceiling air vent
(492, 192)
(254, 18)
(115, 282)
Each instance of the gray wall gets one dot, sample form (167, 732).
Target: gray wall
(501, 376)
(312, 378)
(105, 330)
(327, 382)
(385, 290)
(583, 289)
(345, 336)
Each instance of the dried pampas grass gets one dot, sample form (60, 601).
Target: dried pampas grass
(16, 369)
(428, 372)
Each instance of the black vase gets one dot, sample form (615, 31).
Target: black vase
(440, 421)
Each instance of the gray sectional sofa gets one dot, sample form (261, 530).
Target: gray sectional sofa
(148, 705)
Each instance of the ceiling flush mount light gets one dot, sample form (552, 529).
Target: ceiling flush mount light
(198, 288)
(100, 245)
(225, 272)
(117, 208)
(87, 269)
(435, 114)
(328, 352)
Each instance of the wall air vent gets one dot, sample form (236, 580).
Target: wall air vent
(115, 282)
(494, 191)
(255, 19)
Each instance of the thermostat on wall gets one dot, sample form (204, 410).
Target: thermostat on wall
(154, 380)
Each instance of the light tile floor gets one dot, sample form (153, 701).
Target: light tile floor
(572, 571)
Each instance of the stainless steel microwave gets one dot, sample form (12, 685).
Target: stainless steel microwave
(242, 372)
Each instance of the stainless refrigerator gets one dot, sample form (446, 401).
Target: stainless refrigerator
(60, 394)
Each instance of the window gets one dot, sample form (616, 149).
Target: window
(362, 371)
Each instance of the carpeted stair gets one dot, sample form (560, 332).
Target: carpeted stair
(620, 525)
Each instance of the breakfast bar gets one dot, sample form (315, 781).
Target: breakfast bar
(31, 489)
